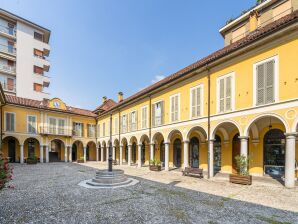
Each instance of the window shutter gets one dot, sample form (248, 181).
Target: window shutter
(136, 120)
(269, 82)
(228, 93)
(162, 111)
(260, 84)
(221, 95)
(153, 115)
(126, 124)
(198, 99)
(176, 107)
(82, 130)
(193, 103)
(172, 108)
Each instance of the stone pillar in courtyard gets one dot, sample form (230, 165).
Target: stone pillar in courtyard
(114, 153)
(97, 153)
(120, 155)
(21, 154)
(167, 156)
(70, 154)
(85, 149)
(129, 154)
(211, 159)
(186, 154)
(290, 160)
(47, 154)
(151, 151)
(65, 154)
(139, 155)
(101, 154)
(41, 153)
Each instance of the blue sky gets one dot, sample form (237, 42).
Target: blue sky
(101, 47)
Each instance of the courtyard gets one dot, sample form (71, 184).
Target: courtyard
(49, 193)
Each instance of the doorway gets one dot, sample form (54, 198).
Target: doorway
(12, 150)
(177, 153)
(194, 152)
(235, 152)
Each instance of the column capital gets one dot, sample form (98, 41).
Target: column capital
(166, 143)
(152, 143)
(291, 134)
(243, 137)
(211, 140)
(186, 141)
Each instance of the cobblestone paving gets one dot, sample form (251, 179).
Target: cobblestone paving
(48, 193)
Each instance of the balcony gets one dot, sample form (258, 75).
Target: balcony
(54, 131)
(42, 62)
(8, 69)
(8, 31)
(8, 87)
(8, 49)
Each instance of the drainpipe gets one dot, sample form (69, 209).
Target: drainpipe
(150, 119)
(209, 92)
(110, 147)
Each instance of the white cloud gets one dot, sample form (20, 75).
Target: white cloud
(157, 78)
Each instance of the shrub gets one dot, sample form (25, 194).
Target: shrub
(5, 172)
(242, 165)
(155, 162)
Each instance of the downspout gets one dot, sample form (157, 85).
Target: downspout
(150, 118)
(119, 132)
(209, 92)
(110, 147)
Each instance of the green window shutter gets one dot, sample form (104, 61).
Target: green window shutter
(260, 84)
(221, 95)
(153, 115)
(228, 102)
(198, 101)
(269, 92)
(162, 111)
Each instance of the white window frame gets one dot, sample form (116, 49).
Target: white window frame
(133, 128)
(116, 125)
(276, 78)
(57, 125)
(178, 118)
(126, 124)
(98, 130)
(154, 103)
(103, 129)
(232, 75)
(15, 118)
(93, 126)
(146, 124)
(29, 115)
(201, 86)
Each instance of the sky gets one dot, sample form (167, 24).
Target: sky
(101, 47)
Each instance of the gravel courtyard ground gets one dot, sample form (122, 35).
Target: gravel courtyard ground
(49, 193)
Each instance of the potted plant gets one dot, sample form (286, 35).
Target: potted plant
(32, 160)
(155, 165)
(5, 172)
(81, 159)
(242, 176)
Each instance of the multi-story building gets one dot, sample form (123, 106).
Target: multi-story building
(24, 48)
(239, 100)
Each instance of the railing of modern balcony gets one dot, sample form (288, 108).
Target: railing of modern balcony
(8, 30)
(10, 49)
(8, 68)
(55, 131)
(8, 87)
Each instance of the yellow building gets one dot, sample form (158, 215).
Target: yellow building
(239, 100)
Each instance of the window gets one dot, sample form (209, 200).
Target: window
(10, 84)
(133, 121)
(104, 129)
(124, 123)
(52, 127)
(265, 81)
(38, 53)
(144, 117)
(38, 36)
(116, 125)
(196, 101)
(98, 130)
(158, 113)
(91, 130)
(225, 93)
(38, 70)
(174, 107)
(78, 129)
(37, 87)
(61, 123)
(32, 124)
(10, 121)
(10, 47)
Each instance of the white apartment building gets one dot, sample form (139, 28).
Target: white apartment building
(24, 48)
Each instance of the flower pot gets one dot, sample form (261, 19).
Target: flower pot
(239, 179)
(155, 168)
(80, 161)
(31, 162)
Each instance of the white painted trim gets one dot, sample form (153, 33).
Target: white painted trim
(201, 86)
(172, 96)
(15, 118)
(147, 117)
(28, 115)
(276, 78)
(232, 75)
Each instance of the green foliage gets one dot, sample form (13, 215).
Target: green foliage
(82, 158)
(242, 165)
(155, 162)
(5, 172)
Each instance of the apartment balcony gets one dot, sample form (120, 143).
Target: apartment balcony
(55, 131)
(41, 79)
(42, 46)
(9, 32)
(42, 62)
(8, 49)
(8, 69)
(11, 88)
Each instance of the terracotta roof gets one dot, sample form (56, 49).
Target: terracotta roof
(43, 105)
(253, 36)
(105, 106)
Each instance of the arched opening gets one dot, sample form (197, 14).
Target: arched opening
(104, 148)
(159, 148)
(274, 153)
(91, 151)
(117, 150)
(235, 151)
(11, 149)
(144, 140)
(74, 152)
(217, 154)
(56, 151)
(194, 152)
(31, 148)
(77, 151)
(143, 152)
(177, 160)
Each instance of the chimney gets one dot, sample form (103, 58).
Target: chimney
(104, 99)
(253, 20)
(120, 97)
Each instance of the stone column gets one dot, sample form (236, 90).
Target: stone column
(129, 155)
(41, 153)
(65, 154)
(101, 154)
(120, 155)
(47, 154)
(167, 155)
(21, 154)
(70, 154)
(107, 153)
(114, 153)
(186, 154)
(151, 151)
(290, 160)
(97, 154)
(139, 155)
(85, 159)
(243, 145)
(211, 159)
